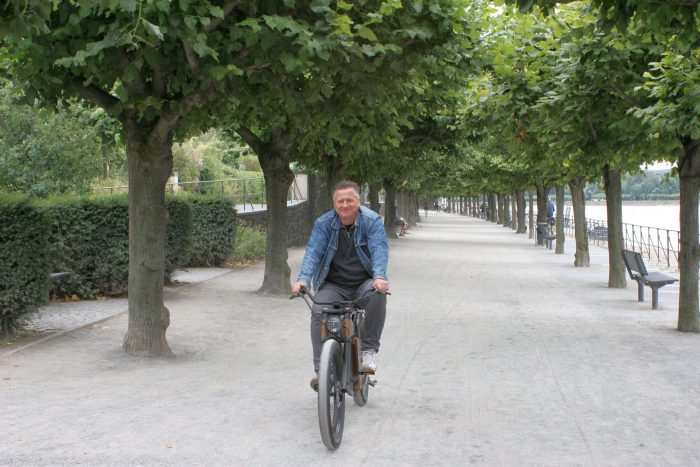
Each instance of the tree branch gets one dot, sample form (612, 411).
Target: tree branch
(192, 60)
(621, 92)
(252, 139)
(96, 96)
(169, 118)
(227, 7)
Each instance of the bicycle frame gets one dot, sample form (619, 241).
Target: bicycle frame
(347, 336)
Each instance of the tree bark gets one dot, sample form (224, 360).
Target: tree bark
(561, 237)
(105, 160)
(612, 182)
(541, 207)
(531, 216)
(274, 161)
(506, 211)
(389, 209)
(337, 172)
(493, 206)
(502, 211)
(689, 254)
(520, 204)
(581, 258)
(514, 212)
(150, 162)
(374, 189)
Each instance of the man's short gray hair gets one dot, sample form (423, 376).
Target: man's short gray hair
(344, 185)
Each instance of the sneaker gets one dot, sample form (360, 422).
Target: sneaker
(369, 363)
(314, 382)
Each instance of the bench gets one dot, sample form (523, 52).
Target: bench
(58, 276)
(544, 231)
(638, 272)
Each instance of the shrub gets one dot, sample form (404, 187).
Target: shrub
(24, 262)
(213, 230)
(250, 244)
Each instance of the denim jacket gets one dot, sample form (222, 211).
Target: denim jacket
(370, 242)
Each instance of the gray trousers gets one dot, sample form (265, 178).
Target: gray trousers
(375, 314)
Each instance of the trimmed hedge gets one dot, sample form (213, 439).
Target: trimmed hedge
(213, 230)
(178, 243)
(24, 264)
(90, 238)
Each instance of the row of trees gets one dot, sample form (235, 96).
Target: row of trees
(447, 97)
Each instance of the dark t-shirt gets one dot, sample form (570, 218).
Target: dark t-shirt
(346, 268)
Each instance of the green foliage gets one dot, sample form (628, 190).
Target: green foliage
(213, 230)
(44, 151)
(24, 262)
(249, 244)
(90, 238)
(178, 242)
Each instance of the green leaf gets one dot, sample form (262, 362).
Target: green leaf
(366, 33)
(155, 30)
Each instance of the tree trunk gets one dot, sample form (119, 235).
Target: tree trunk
(506, 210)
(389, 209)
(541, 207)
(413, 215)
(689, 254)
(520, 204)
(514, 212)
(150, 162)
(373, 196)
(612, 182)
(581, 258)
(105, 160)
(493, 204)
(337, 172)
(502, 209)
(274, 161)
(531, 224)
(561, 237)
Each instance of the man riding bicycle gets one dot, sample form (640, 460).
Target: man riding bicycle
(346, 257)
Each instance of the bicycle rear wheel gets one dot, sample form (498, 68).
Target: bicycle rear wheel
(331, 399)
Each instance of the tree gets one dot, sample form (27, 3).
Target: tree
(161, 69)
(33, 159)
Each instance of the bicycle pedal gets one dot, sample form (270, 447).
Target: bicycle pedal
(372, 382)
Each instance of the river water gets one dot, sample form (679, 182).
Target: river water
(662, 216)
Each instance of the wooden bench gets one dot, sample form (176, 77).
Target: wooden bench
(638, 272)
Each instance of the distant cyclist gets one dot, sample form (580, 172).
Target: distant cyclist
(347, 256)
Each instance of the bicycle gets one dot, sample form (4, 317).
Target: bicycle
(339, 368)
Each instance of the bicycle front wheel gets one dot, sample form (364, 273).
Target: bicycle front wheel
(331, 399)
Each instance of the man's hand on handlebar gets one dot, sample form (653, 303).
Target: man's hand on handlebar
(381, 285)
(297, 286)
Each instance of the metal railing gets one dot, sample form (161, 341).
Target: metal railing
(248, 193)
(655, 244)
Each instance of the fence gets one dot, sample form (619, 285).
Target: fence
(655, 244)
(249, 193)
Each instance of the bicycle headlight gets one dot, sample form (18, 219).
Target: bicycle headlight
(334, 324)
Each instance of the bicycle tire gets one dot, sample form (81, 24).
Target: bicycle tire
(331, 399)
(362, 395)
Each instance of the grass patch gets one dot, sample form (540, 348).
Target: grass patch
(249, 245)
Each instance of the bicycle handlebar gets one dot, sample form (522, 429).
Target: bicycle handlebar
(359, 301)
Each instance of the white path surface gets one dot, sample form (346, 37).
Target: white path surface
(496, 352)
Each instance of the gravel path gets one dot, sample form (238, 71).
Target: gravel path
(496, 352)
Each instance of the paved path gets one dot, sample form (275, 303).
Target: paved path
(66, 316)
(496, 352)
